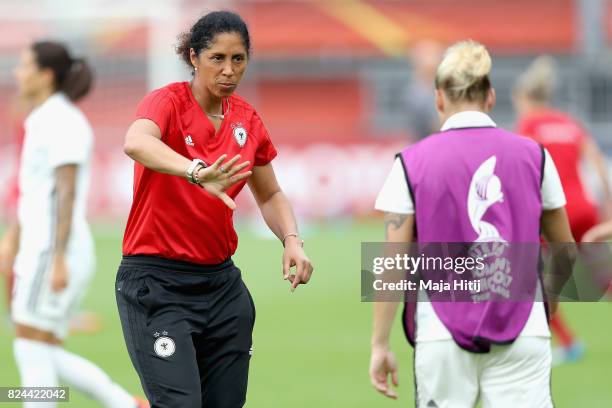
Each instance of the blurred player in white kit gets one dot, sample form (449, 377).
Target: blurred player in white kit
(55, 261)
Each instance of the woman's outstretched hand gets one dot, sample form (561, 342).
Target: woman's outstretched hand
(219, 176)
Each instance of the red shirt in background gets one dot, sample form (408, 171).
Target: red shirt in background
(12, 192)
(564, 137)
(172, 218)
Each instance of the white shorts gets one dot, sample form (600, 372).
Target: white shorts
(515, 375)
(35, 304)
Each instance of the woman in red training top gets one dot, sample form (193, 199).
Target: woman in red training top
(187, 316)
(569, 144)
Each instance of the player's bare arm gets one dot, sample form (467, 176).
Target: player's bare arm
(599, 233)
(9, 246)
(593, 154)
(66, 189)
(143, 144)
(556, 229)
(276, 211)
(398, 229)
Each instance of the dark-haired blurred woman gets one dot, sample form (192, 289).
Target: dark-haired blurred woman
(187, 316)
(55, 259)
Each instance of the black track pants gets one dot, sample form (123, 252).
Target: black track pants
(188, 330)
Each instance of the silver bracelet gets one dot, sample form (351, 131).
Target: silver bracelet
(196, 175)
(192, 168)
(292, 234)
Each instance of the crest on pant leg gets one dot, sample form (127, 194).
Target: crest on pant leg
(164, 346)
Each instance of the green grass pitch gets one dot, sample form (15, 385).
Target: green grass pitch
(311, 348)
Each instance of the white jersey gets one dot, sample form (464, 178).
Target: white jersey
(56, 133)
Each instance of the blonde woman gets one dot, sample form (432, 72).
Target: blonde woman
(569, 144)
(471, 182)
(565, 138)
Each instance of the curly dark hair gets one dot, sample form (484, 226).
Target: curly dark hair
(202, 34)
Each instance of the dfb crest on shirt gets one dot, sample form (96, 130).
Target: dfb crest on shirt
(240, 134)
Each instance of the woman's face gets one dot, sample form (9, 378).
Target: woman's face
(30, 78)
(221, 67)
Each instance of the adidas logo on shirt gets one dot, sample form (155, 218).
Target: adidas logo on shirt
(189, 141)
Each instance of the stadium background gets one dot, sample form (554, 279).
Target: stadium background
(330, 79)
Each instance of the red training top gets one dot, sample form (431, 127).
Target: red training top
(564, 138)
(172, 218)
